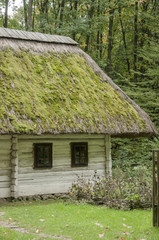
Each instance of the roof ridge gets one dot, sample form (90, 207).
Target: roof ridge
(35, 36)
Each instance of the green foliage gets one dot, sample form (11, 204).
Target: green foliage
(125, 190)
(127, 153)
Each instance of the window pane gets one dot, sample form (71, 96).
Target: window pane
(43, 156)
(79, 154)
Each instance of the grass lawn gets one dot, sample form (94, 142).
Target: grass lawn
(64, 220)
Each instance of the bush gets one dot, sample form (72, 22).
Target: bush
(121, 191)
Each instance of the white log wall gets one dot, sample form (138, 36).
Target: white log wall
(5, 166)
(60, 177)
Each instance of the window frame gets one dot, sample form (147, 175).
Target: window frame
(73, 164)
(36, 164)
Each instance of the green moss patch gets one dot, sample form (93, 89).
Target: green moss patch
(59, 94)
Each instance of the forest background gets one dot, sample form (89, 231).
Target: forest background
(122, 36)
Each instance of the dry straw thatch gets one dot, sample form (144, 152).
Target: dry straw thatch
(48, 85)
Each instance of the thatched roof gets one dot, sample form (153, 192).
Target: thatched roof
(49, 85)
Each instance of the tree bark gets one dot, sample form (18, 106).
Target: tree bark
(75, 17)
(56, 10)
(25, 15)
(61, 12)
(90, 15)
(135, 39)
(33, 21)
(30, 15)
(110, 39)
(124, 38)
(101, 48)
(98, 32)
(5, 24)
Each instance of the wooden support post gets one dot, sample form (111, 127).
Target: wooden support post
(108, 157)
(157, 188)
(14, 167)
(155, 203)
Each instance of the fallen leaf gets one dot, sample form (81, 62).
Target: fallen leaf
(98, 224)
(101, 235)
(42, 220)
(122, 238)
(106, 228)
(123, 229)
(126, 233)
(116, 237)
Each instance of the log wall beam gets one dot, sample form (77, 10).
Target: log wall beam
(14, 166)
(108, 158)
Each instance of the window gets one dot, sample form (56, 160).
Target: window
(79, 152)
(42, 155)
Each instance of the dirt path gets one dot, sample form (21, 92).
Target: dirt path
(12, 226)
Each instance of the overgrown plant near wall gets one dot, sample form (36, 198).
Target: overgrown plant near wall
(121, 191)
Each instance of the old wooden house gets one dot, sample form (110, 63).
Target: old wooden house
(58, 111)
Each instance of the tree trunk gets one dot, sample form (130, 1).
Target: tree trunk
(90, 15)
(61, 12)
(124, 38)
(25, 15)
(135, 39)
(98, 32)
(75, 9)
(33, 21)
(56, 10)
(101, 42)
(6, 14)
(30, 15)
(110, 39)
(144, 27)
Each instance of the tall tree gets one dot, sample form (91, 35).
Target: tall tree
(30, 15)
(75, 16)
(25, 14)
(100, 9)
(5, 24)
(123, 35)
(110, 37)
(61, 12)
(135, 39)
(90, 7)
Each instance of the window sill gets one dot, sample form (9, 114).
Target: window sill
(42, 168)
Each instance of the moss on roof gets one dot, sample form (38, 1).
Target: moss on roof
(60, 93)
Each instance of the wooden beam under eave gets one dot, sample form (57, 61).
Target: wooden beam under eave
(14, 167)
(108, 157)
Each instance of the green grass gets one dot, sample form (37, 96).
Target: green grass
(14, 235)
(76, 221)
